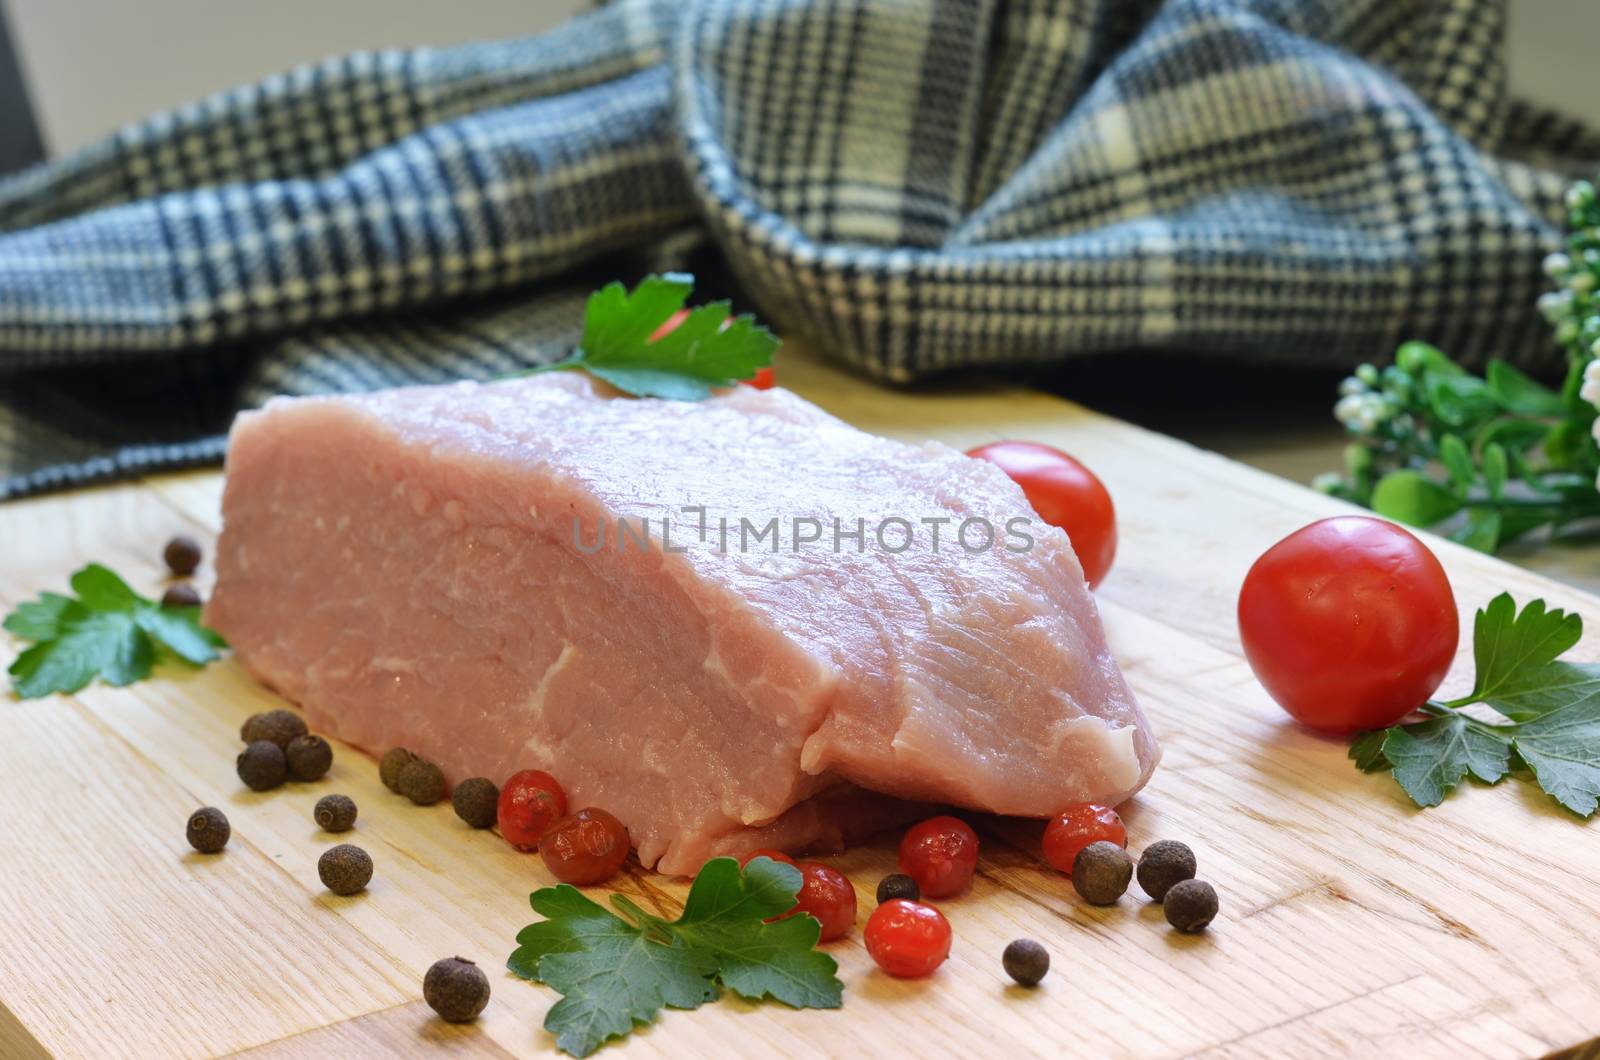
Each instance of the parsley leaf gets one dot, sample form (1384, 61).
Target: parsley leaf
(706, 349)
(1549, 712)
(109, 631)
(616, 971)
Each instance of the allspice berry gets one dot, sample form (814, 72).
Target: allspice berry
(1026, 961)
(345, 869)
(335, 813)
(1101, 871)
(421, 782)
(208, 830)
(181, 595)
(280, 726)
(456, 989)
(390, 765)
(1163, 864)
(1190, 905)
(309, 757)
(182, 555)
(898, 885)
(476, 801)
(261, 766)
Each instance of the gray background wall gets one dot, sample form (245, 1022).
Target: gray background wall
(92, 65)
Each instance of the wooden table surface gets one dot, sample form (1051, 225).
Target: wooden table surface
(1351, 923)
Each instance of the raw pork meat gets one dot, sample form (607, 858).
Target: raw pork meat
(420, 568)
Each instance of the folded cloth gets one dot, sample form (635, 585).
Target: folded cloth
(912, 186)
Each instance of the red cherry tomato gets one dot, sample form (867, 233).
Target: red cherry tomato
(775, 855)
(764, 379)
(1349, 623)
(826, 894)
(529, 802)
(1063, 493)
(1078, 826)
(941, 854)
(585, 847)
(907, 939)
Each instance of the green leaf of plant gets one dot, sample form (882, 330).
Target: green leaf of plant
(1460, 400)
(100, 589)
(109, 631)
(1534, 691)
(1564, 445)
(1562, 748)
(1366, 750)
(1494, 469)
(704, 351)
(1505, 642)
(104, 644)
(1430, 757)
(615, 973)
(1517, 392)
(1409, 497)
(1457, 461)
(41, 619)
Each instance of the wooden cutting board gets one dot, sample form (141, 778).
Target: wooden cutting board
(1351, 923)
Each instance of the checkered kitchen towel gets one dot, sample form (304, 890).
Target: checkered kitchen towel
(914, 185)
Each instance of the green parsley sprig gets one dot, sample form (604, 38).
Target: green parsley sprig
(1531, 713)
(706, 349)
(108, 631)
(1489, 459)
(616, 971)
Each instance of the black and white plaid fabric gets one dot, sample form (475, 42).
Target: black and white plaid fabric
(914, 186)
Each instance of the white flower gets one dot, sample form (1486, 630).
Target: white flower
(1554, 304)
(1350, 386)
(1557, 265)
(1361, 413)
(1590, 391)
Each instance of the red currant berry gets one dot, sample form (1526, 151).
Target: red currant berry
(775, 855)
(585, 847)
(1075, 828)
(941, 854)
(908, 939)
(529, 802)
(764, 379)
(826, 894)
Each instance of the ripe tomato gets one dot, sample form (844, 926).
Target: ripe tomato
(907, 939)
(941, 854)
(585, 847)
(529, 801)
(1063, 493)
(1078, 826)
(1349, 623)
(826, 894)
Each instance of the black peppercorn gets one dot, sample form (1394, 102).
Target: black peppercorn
(309, 757)
(390, 765)
(182, 555)
(208, 830)
(1163, 864)
(421, 782)
(261, 766)
(280, 726)
(898, 885)
(1026, 961)
(476, 801)
(181, 595)
(456, 989)
(345, 869)
(1101, 871)
(1190, 905)
(335, 813)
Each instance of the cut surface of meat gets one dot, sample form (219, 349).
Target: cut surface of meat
(726, 622)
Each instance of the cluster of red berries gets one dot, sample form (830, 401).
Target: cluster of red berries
(580, 848)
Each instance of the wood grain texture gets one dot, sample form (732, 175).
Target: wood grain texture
(1351, 924)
